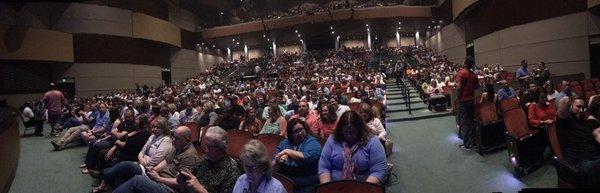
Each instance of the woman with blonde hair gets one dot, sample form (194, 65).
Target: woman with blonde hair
(258, 169)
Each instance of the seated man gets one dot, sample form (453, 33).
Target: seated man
(580, 136)
(74, 134)
(531, 95)
(216, 173)
(505, 92)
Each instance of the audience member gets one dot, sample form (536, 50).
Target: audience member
(258, 171)
(352, 153)
(297, 157)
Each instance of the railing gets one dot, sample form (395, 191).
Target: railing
(407, 97)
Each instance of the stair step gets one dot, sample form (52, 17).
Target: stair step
(416, 115)
(389, 112)
(404, 103)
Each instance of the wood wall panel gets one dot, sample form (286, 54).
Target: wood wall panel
(148, 27)
(20, 43)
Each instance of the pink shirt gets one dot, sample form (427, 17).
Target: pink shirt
(53, 100)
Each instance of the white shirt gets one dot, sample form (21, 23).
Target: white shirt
(377, 128)
(27, 114)
(341, 110)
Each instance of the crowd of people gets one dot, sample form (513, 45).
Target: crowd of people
(138, 140)
(311, 9)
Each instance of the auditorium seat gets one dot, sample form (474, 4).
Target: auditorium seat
(287, 183)
(349, 186)
(195, 130)
(568, 175)
(271, 141)
(509, 104)
(199, 144)
(525, 147)
(235, 142)
(490, 130)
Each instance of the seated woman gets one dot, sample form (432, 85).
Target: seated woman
(374, 124)
(276, 123)
(352, 153)
(297, 157)
(251, 123)
(156, 149)
(326, 123)
(541, 113)
(258, 171)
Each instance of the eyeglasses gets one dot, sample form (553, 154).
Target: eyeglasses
(251, 167)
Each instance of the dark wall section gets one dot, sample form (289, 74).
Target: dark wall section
(488, 16)
(23, 77)
(96, 48)
(190, 39)
(443, 12)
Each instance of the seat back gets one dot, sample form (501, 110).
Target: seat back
(271, 141)
(516, 122)
(554, 142)
(236, 140)
(349, 186)
(509, 104)
(287, 183)
(486, 112)
(195, 130)
(200, 149)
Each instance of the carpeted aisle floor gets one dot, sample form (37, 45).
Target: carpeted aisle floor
(427, 159)
(43, 170)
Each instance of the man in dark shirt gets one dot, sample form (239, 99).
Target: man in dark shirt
(578, 136)
(466, 82)
(532, 95)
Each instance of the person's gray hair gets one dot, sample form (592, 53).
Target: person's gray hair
(163, 125)
(218, 134)
(255, 152)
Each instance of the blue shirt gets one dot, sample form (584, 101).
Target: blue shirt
(271, 185)
(102, 120)
(369, 159)
(522, 72)
(503, 94)
(303, 173)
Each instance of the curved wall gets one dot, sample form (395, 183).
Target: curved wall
(103, 45)
(506, 32)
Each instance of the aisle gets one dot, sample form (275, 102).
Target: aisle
(427, 159)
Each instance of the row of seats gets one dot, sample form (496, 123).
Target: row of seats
(237, 139)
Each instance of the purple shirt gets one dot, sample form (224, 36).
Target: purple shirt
(369, 159)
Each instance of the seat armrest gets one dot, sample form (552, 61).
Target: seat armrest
(529, 135)
(563, 165)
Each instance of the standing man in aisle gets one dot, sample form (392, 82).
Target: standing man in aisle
(466, 82)
(54, 101)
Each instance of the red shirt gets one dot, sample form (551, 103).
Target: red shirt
(468, 83)
(537, 114)
(53, 100)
